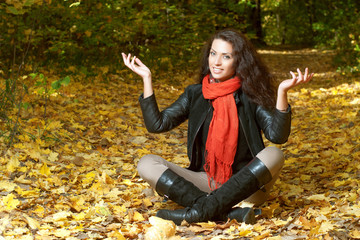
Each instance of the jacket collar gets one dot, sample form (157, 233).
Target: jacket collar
(237, 96)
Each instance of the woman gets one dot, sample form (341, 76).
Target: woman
(227, 111)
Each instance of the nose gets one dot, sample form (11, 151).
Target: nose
(218, 60)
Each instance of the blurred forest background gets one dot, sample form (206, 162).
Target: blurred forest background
(85, 36)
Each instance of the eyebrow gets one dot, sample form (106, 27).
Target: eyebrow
(222, 53)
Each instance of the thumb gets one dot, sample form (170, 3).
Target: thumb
(138, 61)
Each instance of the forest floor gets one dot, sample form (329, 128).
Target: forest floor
(73, 173)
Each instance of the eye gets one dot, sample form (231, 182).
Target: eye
(212, 53)
(227, 57)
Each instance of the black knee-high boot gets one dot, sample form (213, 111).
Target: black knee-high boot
(177, 189)
(240, 186)
(186, 194)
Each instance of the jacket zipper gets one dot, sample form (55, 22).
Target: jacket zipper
(246, 138)
(196, 133)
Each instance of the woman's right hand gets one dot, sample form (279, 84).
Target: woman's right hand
(140, 69)
(136, 66)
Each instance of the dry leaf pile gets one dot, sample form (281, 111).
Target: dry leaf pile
(73, 174)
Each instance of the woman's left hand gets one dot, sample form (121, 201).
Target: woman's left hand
(286, 85)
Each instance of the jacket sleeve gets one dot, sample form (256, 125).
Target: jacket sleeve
(276, 125)
(169, 118)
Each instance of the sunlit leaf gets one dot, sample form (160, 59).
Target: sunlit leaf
(10, 202)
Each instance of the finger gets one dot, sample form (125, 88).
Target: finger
(124, 57)
(293, 81)
(138, 61)
(306, 73)
(300, 77)
(128, 63)
(310, 77)
(292, 74)
(133, 62)
(128, 58)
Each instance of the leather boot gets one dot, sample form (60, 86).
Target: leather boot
(185, 193)
(178, 189)
(240, 186)
(246, 215)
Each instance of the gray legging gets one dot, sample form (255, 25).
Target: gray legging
(151, 167)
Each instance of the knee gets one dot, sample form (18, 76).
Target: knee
(273, 158)
(145, 163)
(277, 155)
(150, 168)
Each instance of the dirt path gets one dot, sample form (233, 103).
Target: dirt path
(281, 61)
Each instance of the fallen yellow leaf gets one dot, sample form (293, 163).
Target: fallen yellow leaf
(33, 223)
(161, 229)
(10, 202)
(44, 170)
(138, 217)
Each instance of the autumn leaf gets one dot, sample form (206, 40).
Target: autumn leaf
(10, 202)
(7, 186)
(44, 170)
(32, 222)
(161, 229)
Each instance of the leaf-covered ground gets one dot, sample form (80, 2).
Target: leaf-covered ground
(73, 174)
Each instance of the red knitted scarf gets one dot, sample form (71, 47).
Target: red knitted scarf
(222, 138)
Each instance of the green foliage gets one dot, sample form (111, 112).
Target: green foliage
(12, 95)
(7, 99)
(327, 23)
(44, 90)
(287, 22)
(56, 85)
(89, 34)
(351, 58)
(83, 36)
(339, 27)
(11, 101)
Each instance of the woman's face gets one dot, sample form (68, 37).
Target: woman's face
(221, 60)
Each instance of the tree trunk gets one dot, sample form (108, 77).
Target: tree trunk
(258, 26)
(256, 21)
(309, 7)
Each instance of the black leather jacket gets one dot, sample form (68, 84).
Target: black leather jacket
(191, 105)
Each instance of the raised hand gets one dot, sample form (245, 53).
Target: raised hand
(140, 69)
(286, 85)
(136, 66)
(282, 101)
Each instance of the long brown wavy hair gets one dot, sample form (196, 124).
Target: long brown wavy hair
(257, 81)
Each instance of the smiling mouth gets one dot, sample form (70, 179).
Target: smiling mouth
(217, 70)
